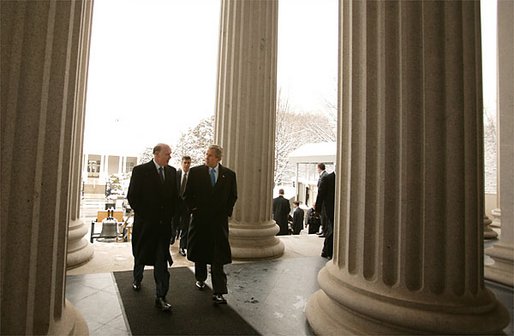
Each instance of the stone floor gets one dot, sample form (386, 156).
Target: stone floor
(92, 289)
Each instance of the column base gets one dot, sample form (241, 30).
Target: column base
(502, 270)
(255, 241)
(80, 250)
(497, 214)
(488, 232)
(70, 323)
(339, 308)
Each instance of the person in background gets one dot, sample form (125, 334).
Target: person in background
(211, 193)
(325, 202)
(152, 194)
(322, 173)
(313, 220)
(298, 215)
(183, 215)
(281, 210)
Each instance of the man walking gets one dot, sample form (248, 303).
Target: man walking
(152, 194)
(183, 215)
(211, 193)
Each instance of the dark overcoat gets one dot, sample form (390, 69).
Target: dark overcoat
(210, 207)
(154, 204)
(326, 196)
(281, 210)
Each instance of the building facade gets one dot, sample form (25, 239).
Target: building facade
(97, 170)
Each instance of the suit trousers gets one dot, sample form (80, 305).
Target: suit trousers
(328, 244)
(218, 276)
(185, 219)
(161, 274)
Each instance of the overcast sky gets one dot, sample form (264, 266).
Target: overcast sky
(153, 67)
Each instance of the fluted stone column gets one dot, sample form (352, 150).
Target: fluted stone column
(245, 121)
(503, 252)
(40, 48)
(409, 192)
(80, 250)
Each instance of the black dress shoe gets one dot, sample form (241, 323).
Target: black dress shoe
(200, 285)
(136, 286)
(182, 252)
(219, 299)
(162, 304)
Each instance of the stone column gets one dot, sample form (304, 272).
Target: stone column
(84, 165)
(104, 168)
(409, 192)
(40, 48)
(503, 252)
(80, 249)
(245, 121)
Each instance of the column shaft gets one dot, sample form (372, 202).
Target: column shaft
(245, 120)
(409, 207)
(503, 252)
(39, 51)
(80, 250)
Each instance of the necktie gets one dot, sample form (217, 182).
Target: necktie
(183, 184)
(161, 173)
(213, 176)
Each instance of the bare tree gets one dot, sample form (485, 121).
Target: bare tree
(490, 153)
(292, 131)
(146, 156)
(287, 137)
(195, 141)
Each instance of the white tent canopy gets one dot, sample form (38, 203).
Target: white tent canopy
(314, 152)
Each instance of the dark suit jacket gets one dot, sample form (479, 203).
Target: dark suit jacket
(154, 205)
(281, 210)
(298, 215)
(210, 206)
(326, 196)
(180, 220)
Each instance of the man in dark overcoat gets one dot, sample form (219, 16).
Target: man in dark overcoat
(298, 216)
(325, 202)
(281, 209)
(210, 195)
(322, 173)
(152, 194)
(182, 215)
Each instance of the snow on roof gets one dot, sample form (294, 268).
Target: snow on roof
(314, 153)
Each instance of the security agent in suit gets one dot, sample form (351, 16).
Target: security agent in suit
(325, 202)
(211, 193)
(320, 169)
(280, 210)
(152, 194)
(183, 215)
(298, 216)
